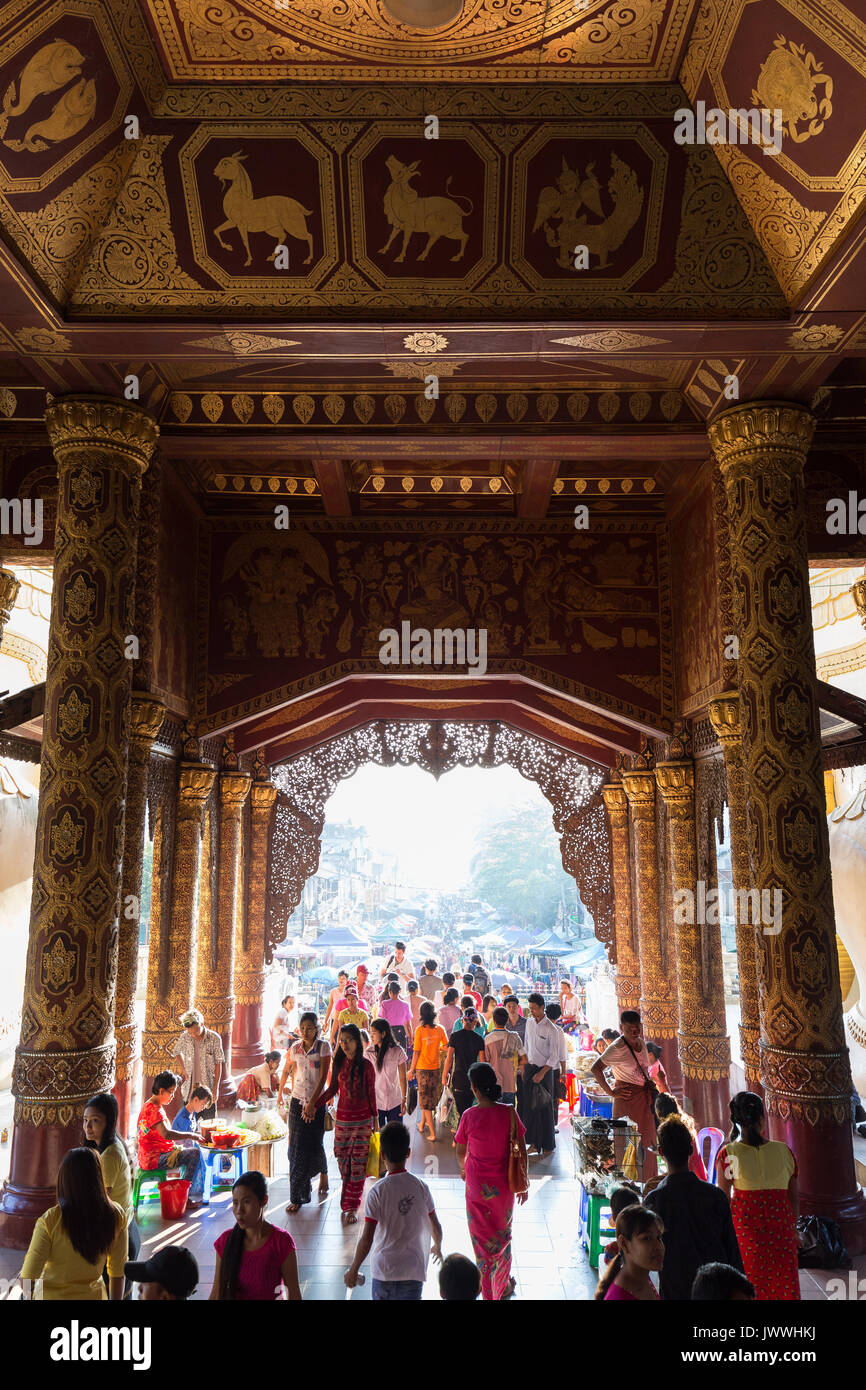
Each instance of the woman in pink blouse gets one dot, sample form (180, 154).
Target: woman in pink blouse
(641, 1249)
(255, 1260)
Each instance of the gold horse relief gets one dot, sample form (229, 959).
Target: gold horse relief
(277, 215)
(51, 68)
(563, 202)
(408, 213)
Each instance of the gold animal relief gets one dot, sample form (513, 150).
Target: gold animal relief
(789, 81)
(51, 68)
(277, 215)
(408, 213)
(563, 204)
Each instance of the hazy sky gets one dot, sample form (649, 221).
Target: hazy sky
(430, 826)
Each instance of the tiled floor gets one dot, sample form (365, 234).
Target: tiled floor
(548, 1261)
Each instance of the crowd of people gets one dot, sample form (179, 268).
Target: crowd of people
(486, 1075)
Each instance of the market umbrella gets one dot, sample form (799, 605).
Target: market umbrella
(295, 949)
(585, 956)
(493, 938)
(342, 939)
(321, 975)
(508, 977)
(550, 945)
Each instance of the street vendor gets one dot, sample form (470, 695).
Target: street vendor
(260, 1080)
(198, 1058)
(633, 1089)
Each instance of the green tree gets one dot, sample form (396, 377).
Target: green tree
(517, 868)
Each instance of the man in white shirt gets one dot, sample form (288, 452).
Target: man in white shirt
(401, 967)
(633, 1089)
(542, 1060)
(398, 1218)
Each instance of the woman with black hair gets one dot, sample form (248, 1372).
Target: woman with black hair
(484, 1137)
(666, 1105)
(255, 1260)
(429, 1044)
(390, 1061)
(353, 1081)
(73, 1240)
(641, 1250)
(762, 1176)
(306, 1070)
(100, 1133)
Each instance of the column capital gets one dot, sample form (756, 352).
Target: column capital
(616, 801)
(103, 425)
(724, 714)
(676, 782)
(858, 593)
(194, 788)
(234, 790)
(640, 788)
(262, 796)
(146, 715)
(9, 587)
(762, 436)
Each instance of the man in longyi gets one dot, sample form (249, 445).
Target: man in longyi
(633, 1088)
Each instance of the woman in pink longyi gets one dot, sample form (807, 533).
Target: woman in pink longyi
(483, 1143)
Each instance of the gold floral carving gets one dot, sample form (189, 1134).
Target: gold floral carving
(761, 449)
(216, 992)
(658, 1004)
(9, 589)
(627, 959)
(250, 953)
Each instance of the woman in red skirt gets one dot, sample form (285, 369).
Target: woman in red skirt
(760, 1177)
(353, 1082)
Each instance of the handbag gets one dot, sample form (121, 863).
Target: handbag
(518, 1172)
(329, 1119)
(373, 1154)
(824, 1247)
(412, 1096)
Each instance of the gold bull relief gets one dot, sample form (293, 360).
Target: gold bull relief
(278, 216)
(51, 68)
(563, 203)
(408, 212)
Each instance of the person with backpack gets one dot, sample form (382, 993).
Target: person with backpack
(480, 976)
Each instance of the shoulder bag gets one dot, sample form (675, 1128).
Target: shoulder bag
(650, 1086)
(518, 1173)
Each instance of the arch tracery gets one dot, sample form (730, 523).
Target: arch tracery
(570, 784)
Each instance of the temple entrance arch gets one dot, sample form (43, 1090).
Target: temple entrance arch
(571, 784)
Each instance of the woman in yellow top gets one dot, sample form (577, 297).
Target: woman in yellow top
(73, 1241)
(762, 1173)
(430, 1043)
(100, 1133)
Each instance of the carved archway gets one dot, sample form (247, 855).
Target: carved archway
(571, 785)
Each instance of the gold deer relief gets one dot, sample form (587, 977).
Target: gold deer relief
(563, 203)
(51, 68)
(277, 215)
(408, 213)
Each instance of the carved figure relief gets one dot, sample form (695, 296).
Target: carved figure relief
(407, 212)
(563, 203)
(50, 69)
(277, 215)
(789, 81)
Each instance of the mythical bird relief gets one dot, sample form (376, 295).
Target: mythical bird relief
(788, 82)
(49, 70)
(407, 212)
(563, 203)
(278, 216)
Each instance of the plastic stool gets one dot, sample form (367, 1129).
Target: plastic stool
(572, 1091)
(717, 1139)
(599, 1228)
(219, 1180)
(146, 1177)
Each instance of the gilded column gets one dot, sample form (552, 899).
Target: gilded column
(216, 963)
(658, 1001)
(251, 946)
(170, 996)
(66, 1048)
(705, 1051)
(9, 588)
(627, 962)
(761, 450)
(724, 715)
(146, 716)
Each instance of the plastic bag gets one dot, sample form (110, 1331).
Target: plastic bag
(373, 1155)
(629, 1163)
(446, 1104)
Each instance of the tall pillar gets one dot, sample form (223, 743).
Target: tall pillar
(627, 961)
(761, 450)
(9, 587)
(724, 714)
(250, 974)
(146, 717)
(704, 1048)
(658, 1001)
(216, 962)
(170, 989)
(66, 1048)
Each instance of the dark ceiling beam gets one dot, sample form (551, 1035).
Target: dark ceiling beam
(689, 442)
(539, 475)
(331, 477)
